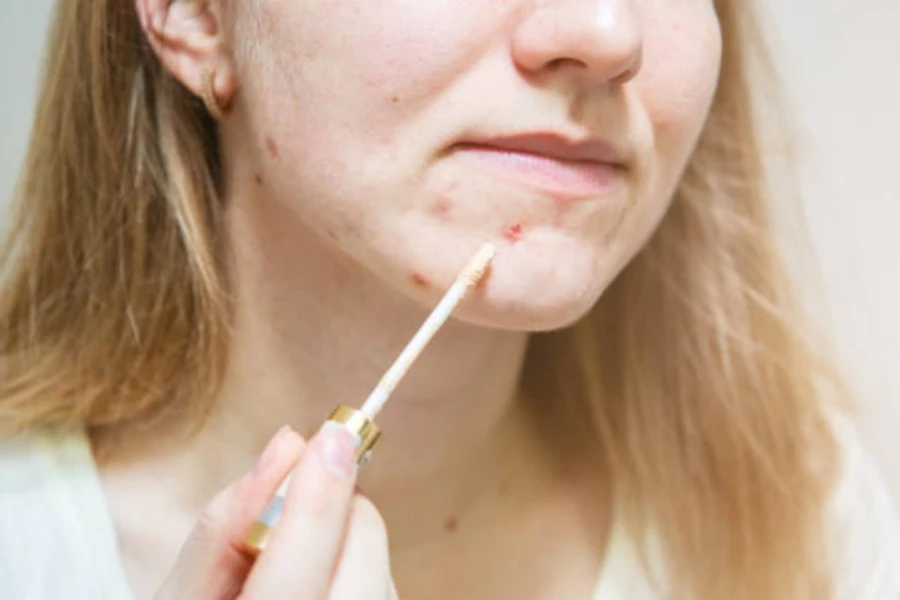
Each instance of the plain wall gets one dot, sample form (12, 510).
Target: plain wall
(840, 59)
(840, 63)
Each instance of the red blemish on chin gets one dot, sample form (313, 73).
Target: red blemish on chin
(451, 524)
(513, 233)
(272, 147)
(419, 280)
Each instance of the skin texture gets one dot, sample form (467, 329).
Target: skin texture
(351, 207)
(355, 115)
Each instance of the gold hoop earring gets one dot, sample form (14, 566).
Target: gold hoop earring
(215, 107)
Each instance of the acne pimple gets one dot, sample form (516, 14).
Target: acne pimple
(451, 524)
(441, 207)
(272, 147)
(513, 233)
(419, 280)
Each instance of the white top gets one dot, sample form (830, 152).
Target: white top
(57, 540)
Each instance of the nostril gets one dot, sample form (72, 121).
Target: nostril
(557, 64)
(629, 72)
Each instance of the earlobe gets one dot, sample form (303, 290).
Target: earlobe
(189, 38)
(217, 108)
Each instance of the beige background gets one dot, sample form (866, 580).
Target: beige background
(840, 60)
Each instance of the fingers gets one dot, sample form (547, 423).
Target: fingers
(212, 564)
(303, 549)
(364, 571)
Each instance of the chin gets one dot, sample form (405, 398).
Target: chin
(537, 292)
(531, 319)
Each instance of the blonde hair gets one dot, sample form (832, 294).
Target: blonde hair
(702, 387)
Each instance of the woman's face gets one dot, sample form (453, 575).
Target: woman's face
(406, 133)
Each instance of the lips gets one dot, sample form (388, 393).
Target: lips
(551, 163)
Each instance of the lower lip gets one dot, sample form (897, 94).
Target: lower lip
(564, 179)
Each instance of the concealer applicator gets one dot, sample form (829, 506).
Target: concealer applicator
(361, 423)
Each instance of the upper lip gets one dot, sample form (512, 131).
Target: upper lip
(556, 146)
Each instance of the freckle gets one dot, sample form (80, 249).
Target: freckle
(259, 179)
(451, 524)
(273, 149)
(513, 233)
(419, 280)
(395, 100)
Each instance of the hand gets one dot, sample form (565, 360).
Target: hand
(330, 543)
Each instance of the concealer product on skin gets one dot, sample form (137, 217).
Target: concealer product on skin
(361, 423)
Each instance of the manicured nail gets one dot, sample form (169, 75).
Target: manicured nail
(337, 448)
(272, 449)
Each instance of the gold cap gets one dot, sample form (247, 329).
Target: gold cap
(367, 436)
(362, 427)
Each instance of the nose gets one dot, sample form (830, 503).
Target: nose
(590, 42)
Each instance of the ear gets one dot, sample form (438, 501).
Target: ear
(189, 38)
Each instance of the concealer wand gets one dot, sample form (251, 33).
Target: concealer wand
(361, 423)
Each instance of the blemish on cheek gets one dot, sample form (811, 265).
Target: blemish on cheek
(441, 208)
(419, 280)
(272, 147)
(259, 179)
(513, 233)
(395, 100)
(451, 524)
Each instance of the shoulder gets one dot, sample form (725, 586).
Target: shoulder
(33, 464)
(864, 525)
(49, 532)
(26, 462)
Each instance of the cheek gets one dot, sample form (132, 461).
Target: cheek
(383, 55)
(680, 75)
(345, 89)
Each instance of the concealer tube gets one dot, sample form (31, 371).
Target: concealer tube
(367, 435)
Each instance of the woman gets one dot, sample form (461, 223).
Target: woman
(234, 214)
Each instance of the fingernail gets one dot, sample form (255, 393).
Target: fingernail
(271, 450)
(337, 448)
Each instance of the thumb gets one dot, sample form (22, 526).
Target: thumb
(212, 564)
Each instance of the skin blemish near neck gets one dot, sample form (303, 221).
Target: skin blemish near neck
(451, 524)
(419, 280)
(272, 147)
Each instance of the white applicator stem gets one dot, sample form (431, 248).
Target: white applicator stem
(473, 272)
